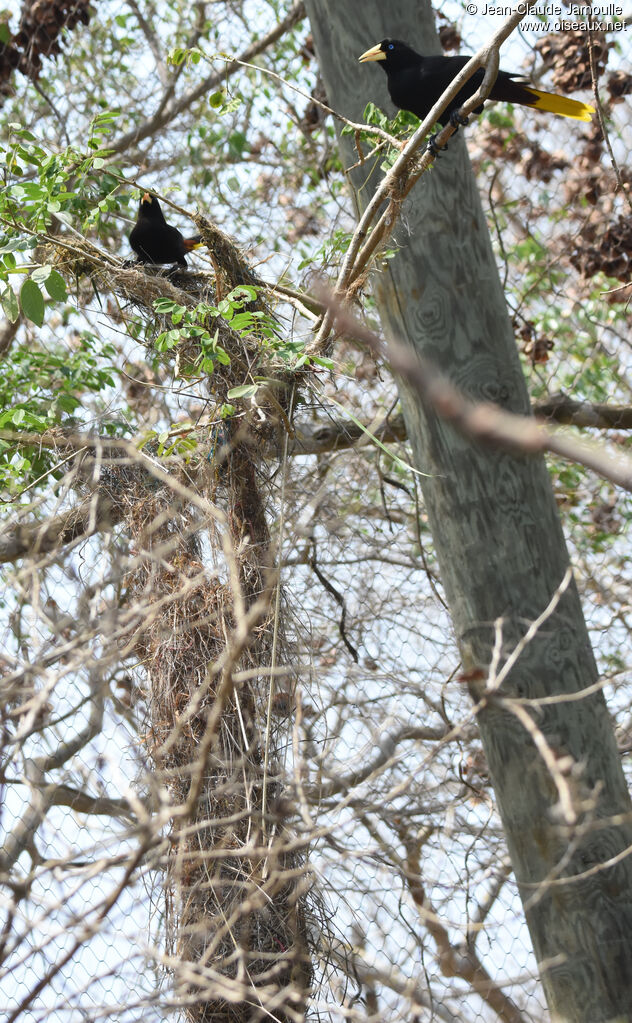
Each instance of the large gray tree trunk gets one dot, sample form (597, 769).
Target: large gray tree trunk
(500, 545)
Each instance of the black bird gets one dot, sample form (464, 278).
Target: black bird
(152, 238)
(415, 83)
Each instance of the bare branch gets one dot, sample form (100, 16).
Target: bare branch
(336, 434)
(93, 515)
(483, 421)
(564, 410)
(213, 81)
(387, 744)
(456, 961)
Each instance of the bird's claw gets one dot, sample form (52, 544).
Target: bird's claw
(457, 120)
(433, 148)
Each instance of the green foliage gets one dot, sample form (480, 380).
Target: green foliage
(404, 123)
(179, 55)
(373, 115)
(196, 324)
(178, 440)
(45, 189)
(67, 184)
(44, 385)
(329, 252)
(243, 391)
(41, 389)
(10, 304)
(32, 302)
(192, 324)
(38, 387)
(501, 115)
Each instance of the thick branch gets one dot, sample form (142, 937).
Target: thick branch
(96, 514)
(565, 410)
(99, 514)
(67, 750)
(457, 961)
(82, 802)
(483, 421)
(22, 833)
(337, 434)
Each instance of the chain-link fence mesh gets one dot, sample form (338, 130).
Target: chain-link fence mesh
(241, 773)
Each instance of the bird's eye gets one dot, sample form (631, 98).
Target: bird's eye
(390, 46)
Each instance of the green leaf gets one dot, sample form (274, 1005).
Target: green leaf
(106, 117)
(12, 244)
(167, 305)
(243, 391)
(242, 321)
(32, 302)
(217, 99)
(169, 339)
(5, 33)
(145, 439)
(243, 290)
(373, 115)
(56, 287)
(67, 402)
(33, 191)
(41, 274)
(237, 143)
(33, 155)
(10, 305)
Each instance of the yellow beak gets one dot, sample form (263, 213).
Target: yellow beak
(147, 198)
(375, 53)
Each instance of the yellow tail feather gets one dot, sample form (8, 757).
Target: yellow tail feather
(561, 105)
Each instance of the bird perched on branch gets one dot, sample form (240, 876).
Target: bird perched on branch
(415, 83)
(154, 240)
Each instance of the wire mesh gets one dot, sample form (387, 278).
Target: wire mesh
(328, 847)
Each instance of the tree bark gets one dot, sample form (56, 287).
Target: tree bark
(501, 551)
